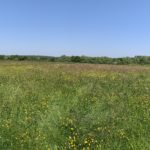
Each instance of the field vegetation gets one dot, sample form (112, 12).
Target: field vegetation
(54, 106)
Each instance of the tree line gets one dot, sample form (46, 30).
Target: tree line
(80, 59)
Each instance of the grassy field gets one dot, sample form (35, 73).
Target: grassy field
(47, 106)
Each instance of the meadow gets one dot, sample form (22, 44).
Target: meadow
(54, 106)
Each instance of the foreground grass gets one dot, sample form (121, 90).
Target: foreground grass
(78, 106)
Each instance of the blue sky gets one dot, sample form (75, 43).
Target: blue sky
(112, 28)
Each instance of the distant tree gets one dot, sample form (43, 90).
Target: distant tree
(75, 59)
(2, 57)
(81, 59)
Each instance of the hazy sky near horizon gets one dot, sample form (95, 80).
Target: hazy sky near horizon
(113, 28)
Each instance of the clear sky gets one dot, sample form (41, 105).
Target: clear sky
(112, 28)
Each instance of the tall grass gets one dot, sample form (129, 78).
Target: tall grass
(58, 106)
